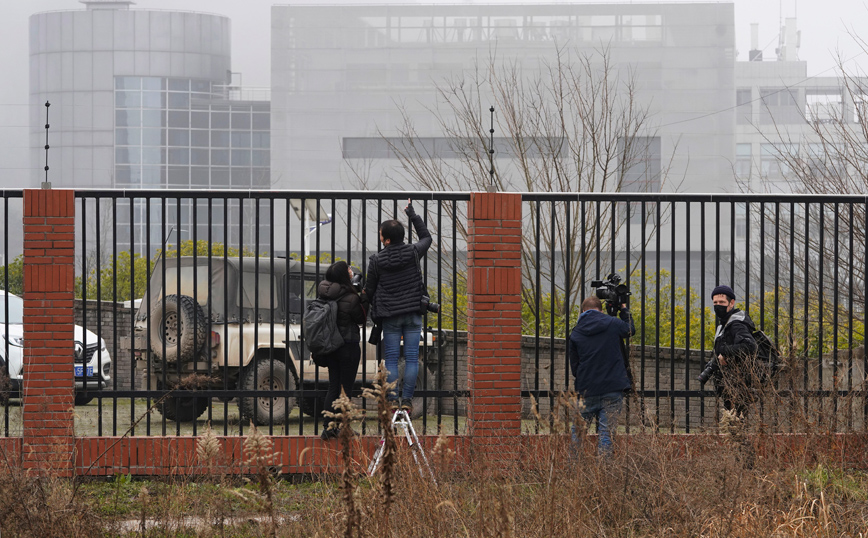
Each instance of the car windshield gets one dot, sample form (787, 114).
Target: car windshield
(15, 305)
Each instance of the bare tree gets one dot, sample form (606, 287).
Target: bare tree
(572, 125)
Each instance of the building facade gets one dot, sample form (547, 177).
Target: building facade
(141, 99)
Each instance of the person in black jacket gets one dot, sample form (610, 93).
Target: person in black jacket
(394, 288)
(343, 363)
(598, 365)
(734, 347)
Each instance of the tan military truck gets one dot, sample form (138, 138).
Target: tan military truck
(227, 324)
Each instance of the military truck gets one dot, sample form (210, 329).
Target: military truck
(223, 324)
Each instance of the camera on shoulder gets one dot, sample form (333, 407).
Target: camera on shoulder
(611, 292)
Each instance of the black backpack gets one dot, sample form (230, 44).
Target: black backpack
(768, 359)
(321, 333)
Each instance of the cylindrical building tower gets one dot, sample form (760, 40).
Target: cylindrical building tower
(119, 81)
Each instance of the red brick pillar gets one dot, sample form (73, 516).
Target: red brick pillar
(494, 323)
(48, 392)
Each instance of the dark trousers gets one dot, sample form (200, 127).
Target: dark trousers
(342, 373)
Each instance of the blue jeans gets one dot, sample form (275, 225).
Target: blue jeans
(605, 408)
(408, 326)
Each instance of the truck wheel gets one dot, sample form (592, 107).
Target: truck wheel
(265, 375)
(83, 398)
(312, 406)
(185, 409)
(180, 324)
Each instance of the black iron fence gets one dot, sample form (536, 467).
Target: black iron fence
(251, 259)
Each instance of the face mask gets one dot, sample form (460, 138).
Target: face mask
(720, 310)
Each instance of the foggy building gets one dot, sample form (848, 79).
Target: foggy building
(339, 72)
(143, 100)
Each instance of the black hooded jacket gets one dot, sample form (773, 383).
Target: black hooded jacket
(394, 282)
(595, 352)
(734, 337)
(350, 311)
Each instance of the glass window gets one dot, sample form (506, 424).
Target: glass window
(179, 137)
(240, 157)
(128, 155)
(199, 120)
(153, 83)
(128, 118)
(219, 120)
(153, 137)
(220, 139)
(201, 86)
(261, 140)
(199, 156)
(743, 111)
(179, 175)
(261, 121)
(261, 158)
(220, 157)
(199, 139)
(123, 174)
(220, 177)
(179, 85)
(199, 177)
(179, 119)
(152, 118)
(742, 161)
(179, 100)
(128, 99)
(128, 137)
(241, 120)
(152, 155)
(151, 175)
(128, 83)
(241, 177)
(153, 99)
(179, 156)
(240, 140)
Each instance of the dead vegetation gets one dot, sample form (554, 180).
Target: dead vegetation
(741, 482)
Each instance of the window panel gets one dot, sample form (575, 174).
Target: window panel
(152, 155)
(153, 100)
(240, 120)
(220, 139)
(128, 118)
(151, 175)
(128, 99)
(179, 100)
(152, 118)
(128, 155)
(261, 158)
(199, 120)
(179, 118)
(220, 157)
(240, 140)
(179, 156)
(219, 120)
(153, 137)
(262, 121)
(199, 139)
(179, 137)
(261, 140)
(128, 137)
(240, 157)
(179, 84)
(199, 156)
(128, 83)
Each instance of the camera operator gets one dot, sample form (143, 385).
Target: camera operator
(597, 363)
(395, 290)
(734, 345)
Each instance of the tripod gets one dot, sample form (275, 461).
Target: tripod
(402, 426)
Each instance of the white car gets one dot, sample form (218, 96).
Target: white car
(91, 359)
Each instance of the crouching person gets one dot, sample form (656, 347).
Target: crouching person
(598, 366)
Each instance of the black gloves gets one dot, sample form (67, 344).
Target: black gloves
(409, 210)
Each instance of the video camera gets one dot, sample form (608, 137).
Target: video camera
(612, 293)
(710, 368)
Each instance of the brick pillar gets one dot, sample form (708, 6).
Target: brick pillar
(48, 392)
(494, 323)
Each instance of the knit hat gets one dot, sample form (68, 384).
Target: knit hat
(723, 290)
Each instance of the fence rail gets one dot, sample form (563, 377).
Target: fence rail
(797, 263)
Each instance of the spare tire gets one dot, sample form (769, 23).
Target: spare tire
(178, 323)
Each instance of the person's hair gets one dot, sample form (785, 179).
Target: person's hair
(592, 303)
(338, 273)
(392, 230)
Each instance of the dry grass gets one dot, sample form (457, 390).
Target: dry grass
(741, 483)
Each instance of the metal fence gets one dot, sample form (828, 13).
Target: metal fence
(797, 264)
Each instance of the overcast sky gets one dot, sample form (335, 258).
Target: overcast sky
(824, 24)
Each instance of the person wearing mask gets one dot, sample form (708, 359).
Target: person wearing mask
(734, 347)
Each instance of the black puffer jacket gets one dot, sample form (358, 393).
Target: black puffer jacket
(350, 311)
(394, 282)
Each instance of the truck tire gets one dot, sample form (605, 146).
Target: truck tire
(312, 406)
(265, 374)
(185, 409)
(180, 324)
